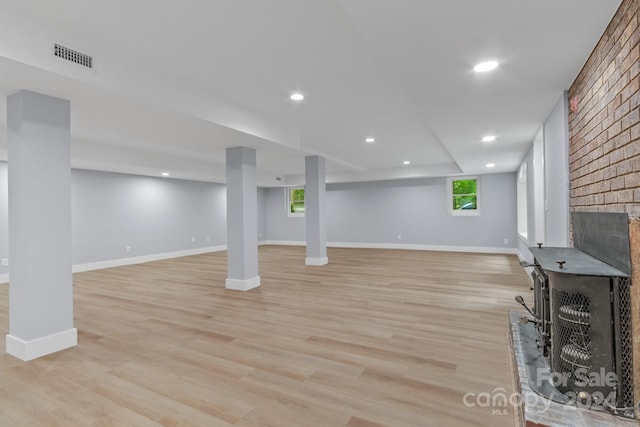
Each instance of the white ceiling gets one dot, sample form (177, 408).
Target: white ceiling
(175, 83)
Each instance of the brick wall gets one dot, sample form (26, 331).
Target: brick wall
(604, 140)
(604, 130)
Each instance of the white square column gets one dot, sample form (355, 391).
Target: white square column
(314, 211)
(39, 175)
(242, 220)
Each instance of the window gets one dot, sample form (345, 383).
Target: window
(464, 196)
(295, 201)
(522, 201)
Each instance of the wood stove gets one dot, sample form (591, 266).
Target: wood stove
(582, 315)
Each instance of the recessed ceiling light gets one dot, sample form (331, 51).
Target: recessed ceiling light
(370, 140)
(491, 165)
(488, 138)
(406, 162)
(485, 66)
(165, 173)
(296, 96)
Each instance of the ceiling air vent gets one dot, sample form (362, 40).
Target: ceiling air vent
(72, 55)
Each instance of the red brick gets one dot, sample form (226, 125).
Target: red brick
(630, 59)
(581, 152)
(607, 121)
(634, 100)
(625, 167)
(612, 208)
(634, 70)
(622, 110)
(598, 176)
(622, 139)
(632, 180)
(608, 146)
(614, 129)
(625, 196)
(593, 134)
(618, 82)
(616, 156)
(617, 183)
(635, 132)
(610, 172)
(604, 134)
(631, 88)
(632, 149)
(585, 180)
(603, 162)
(615, 103)
(631, 119)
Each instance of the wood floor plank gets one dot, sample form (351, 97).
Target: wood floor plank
(375, 338)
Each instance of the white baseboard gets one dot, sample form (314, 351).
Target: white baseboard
(242, 284)
(284, 242)
(29, 350)
(316, 261)
(521, 256)
(99, 265)
(406, 246)
(78, 268)
(529, 270)
(418, 247)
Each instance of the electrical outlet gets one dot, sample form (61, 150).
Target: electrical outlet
(208, 239)
(506, 241)
(399, 236)
(127, 248)
(5, 262)
(193, 239)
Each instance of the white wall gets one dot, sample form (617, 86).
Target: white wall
(539, 187)
(153, 216)
(4, 217)
(417, 210)
(548, 183)
(524, 244)
(556, 160)
(262, 213)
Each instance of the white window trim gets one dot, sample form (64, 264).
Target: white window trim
(522, 202)
(463, 212)
(287, 202)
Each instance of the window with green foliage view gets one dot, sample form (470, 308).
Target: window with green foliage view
(464, 194)
(296, 201)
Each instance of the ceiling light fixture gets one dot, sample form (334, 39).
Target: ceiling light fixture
(165, 173)
(406, 162)
(483, 67)
(488, 138)
(491, 165)
(296, 96)
(370, 140)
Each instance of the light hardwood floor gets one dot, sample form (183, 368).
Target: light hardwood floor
(375, 338)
